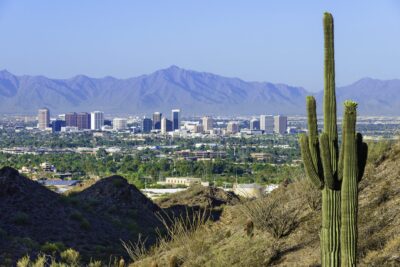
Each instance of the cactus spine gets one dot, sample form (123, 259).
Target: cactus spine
(337, 175)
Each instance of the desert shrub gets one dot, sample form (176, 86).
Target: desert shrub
(95, 264)
(384, 193)
(70, 257)
(309, 194)
(41, 261)
(21, 218)
(373, 239)
(384, 256)
(24, 261)
(26, 242)
(84, 223)
(52, 248)
(377, 151)
(77, 216)
(118, 183)
(273, 214)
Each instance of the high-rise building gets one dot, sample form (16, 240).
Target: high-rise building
(166, 125)
(157, 120)
(280, 124)
(83, 120)
(147, 125)
(254, 124)
(198, 128)
(96, 120)
(267, 124)
(207, 123)
(56, 125)
(43, 118)
(232, 127)
(119, 124)
(71, 119)
(176, 119)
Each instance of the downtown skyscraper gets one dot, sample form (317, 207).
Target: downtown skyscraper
(176, 119)
(83, 121)
(280, 126)
(43, 118)
(96, 120)
(157, 120)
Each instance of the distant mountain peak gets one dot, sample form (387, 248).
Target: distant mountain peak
(195, 92)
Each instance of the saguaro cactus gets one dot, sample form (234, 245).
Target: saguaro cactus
(320, 156)
(336, 175)
(354, 159)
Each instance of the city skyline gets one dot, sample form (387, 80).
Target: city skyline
(95, 121)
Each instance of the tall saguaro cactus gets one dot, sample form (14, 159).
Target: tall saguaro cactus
(336, 175)
(320, 156)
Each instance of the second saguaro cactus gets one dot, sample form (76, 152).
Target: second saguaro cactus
(336, 175)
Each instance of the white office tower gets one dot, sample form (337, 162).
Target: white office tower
(119, 124)
(176, 119)
(43, 118)
(232, 127)
(267, 124)
(207, 123)
(163, 125)
(280, 124)
(96, 120)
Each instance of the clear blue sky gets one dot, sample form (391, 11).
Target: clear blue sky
(277, 41)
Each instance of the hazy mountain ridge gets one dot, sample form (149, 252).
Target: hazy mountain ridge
(196, 93)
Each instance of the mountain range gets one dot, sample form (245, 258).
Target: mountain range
(196, 93)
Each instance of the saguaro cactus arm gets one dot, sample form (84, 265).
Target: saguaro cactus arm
(313, 132)
(349, 190)
(362, 155)
(326, 162)
(330, 120)
(308, 162)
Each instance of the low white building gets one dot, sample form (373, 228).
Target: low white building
(187, 181)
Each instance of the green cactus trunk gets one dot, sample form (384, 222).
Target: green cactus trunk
(330, 239)
(349, 192)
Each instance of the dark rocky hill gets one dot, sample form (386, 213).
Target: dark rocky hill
(92, 222)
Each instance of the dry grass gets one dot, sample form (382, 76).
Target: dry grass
(137, 250)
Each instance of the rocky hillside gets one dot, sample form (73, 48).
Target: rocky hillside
(93, 222)
(197, 195)
(282, 229)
